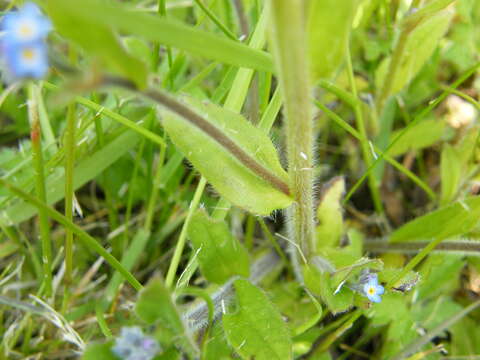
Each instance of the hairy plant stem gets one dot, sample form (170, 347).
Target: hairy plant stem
(290, 49)
(36, 137)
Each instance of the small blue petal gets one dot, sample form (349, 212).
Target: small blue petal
(380, 289)
(132, 344)
(26, 25)
(374, 298)
(30, 61)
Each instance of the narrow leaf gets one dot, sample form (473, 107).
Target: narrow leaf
(328, 28)
(85, 171)
(168, 32)
(451, 169)
(96, 38)
(420, 34)
(450, 221)
(330, 215)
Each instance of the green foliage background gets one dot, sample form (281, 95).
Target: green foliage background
(177, 164)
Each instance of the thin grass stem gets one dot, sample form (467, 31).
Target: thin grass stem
(36, 137)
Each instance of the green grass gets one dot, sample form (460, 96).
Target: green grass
(101, 184)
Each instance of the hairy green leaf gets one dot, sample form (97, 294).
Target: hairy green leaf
(220, 255)
(232, 178)
(155, 306)
(257, 329)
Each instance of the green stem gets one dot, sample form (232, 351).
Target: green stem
(289, 43)
(325, 345)
(36, 136)
(367, 155)
(417, 119)
(463, 246)
(69, 194)
(352, 131)
(172, 270)
(89, 241)
(217, 22)
(414, 262)
(156, 186)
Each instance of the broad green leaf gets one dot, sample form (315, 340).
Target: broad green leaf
(99, 352)
(393, 311)
(330, 214)
(167, 31)
(422, 135)
(320, 283)
(328, 28)
(452, 220)
(221, 167)
(257, 329)
(217, 348)
(420, 34)
(220, 255)
(465, 338)
(95, 37)
(450, 169)
(291, 300)
(432, 313)
(440, 274)
(155, 306)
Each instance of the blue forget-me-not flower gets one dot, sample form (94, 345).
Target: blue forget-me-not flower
(23, 46)
(371, 288)
(134, 345)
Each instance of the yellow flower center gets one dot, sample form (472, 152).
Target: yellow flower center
(25, 30)
(28, 54)
(371, 291)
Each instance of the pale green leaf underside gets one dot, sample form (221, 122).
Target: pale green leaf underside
(232, 179)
